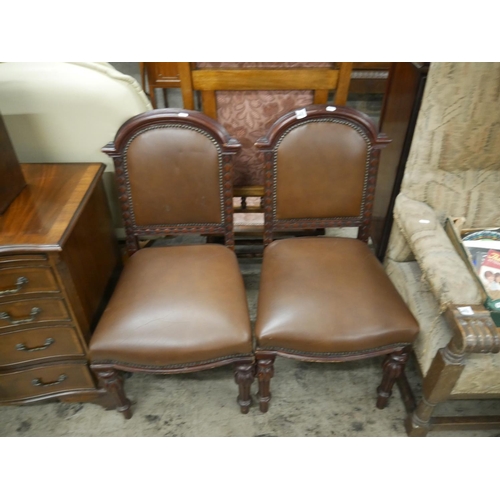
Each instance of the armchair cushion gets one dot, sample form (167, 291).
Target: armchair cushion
(449, 279)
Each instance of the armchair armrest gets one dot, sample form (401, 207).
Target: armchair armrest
(446, 273)
(473, 333)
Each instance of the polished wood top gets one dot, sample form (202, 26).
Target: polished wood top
(42, 215)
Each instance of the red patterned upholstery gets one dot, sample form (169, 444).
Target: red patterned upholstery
(247, 115)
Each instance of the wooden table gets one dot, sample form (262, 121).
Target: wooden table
(59, 260)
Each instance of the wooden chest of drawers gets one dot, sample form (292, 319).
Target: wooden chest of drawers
(58, 261)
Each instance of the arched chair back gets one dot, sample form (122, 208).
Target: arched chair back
(174, 175)
(320, 170)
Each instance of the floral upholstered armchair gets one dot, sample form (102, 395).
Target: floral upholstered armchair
(453, 170)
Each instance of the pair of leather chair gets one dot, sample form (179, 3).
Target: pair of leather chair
(182, 309)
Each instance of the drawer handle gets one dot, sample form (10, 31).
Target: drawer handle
(46, 345)
(19, 284)
(33, 314)
(38, 381)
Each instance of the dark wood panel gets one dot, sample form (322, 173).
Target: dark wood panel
(11, 177)
(399, 115)
(92, 256)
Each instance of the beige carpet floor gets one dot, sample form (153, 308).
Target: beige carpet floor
(309, 399)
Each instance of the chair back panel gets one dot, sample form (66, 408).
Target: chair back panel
(320, 170)
(325, 179)
(174, 176)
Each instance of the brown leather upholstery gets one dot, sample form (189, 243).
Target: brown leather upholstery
(326, 178)
(328, 295)
(175, 305)
(180, 308)
(174, 176)
(325, 299)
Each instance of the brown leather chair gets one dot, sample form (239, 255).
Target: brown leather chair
(325, 299)
(181, 308)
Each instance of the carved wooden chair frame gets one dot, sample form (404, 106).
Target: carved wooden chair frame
(162, 118)
(397, 354)
(108, 373)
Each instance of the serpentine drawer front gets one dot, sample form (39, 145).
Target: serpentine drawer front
(58, 261)
(43, 381)
(32, 311)
(47, 344)
(22, 281)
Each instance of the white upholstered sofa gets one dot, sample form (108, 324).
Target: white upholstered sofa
(66, 112)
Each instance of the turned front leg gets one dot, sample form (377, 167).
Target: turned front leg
(244, 377)
(112, 381)
(265, 372)
(393, 368)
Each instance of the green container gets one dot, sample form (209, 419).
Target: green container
(494, 307)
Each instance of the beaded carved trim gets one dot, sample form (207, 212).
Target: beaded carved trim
(234, 357)
(365, 182)
(333, 354)
(152, 227)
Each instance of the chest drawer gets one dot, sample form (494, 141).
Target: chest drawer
(21, 281)
(38, 382)
(38, 344)
(33, 311)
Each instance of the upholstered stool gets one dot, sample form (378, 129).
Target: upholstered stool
(180, 308)
(325, 299)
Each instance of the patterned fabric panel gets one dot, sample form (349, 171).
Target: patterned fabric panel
(446, 273)
(247, 115)
(482, 371)
(454, 161)
(398, 248)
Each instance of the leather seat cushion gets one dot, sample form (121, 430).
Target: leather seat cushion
(328, 295)
(175, 305)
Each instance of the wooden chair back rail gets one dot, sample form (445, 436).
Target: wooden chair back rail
(209, 81)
